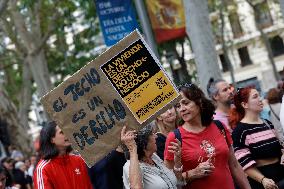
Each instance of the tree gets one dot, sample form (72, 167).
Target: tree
(17, 134)
(39, 47)
(3, 5)
(171, 52)
(222, 10)
(257, 12)
(200, 33)
(282, 7)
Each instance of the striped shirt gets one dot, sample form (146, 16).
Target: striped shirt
(255, 141)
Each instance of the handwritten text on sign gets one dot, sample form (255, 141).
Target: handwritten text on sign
(103, 121)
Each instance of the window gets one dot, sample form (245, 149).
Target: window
(225, 66)
(244, 56)
(263, 15)
(235, 24)
(277, 45)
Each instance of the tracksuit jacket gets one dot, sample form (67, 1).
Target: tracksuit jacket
(62, 172)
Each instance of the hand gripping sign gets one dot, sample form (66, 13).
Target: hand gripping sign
(124, 85)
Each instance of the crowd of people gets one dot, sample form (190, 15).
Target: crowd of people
(231, 140)
(16, 171)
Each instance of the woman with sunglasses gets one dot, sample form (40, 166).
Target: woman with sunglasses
(207, 157)
(255, 143)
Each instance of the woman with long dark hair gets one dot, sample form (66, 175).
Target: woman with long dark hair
(57, 167)
(207, 156)
(255, 143)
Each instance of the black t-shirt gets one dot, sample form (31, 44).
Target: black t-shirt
(10, 179)
(160, 142)
(255, 141)
(108, 172)
(20, 178)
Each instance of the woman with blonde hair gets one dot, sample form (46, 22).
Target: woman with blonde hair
(166, 123)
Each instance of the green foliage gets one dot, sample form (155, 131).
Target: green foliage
(169, 49)
(12, 74)
(74, 32)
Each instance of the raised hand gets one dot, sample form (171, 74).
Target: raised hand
(175, 148)
(204, 169)
(128, 138)
(269, 183)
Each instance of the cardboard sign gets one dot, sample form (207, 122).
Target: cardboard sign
(91, 110)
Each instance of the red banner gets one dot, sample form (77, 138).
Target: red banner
(167, 19)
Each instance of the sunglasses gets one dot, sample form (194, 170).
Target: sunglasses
(186, 85)
(239, 89)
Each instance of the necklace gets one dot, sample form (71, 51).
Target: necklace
(150, 162)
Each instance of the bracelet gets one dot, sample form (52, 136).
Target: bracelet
(181, 182)
(178, 169)
(186, 175)
(262, 179)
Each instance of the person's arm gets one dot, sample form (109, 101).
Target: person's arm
(282, 113)
(176, 150)
(135, 177)
(244, 156)
(41, 179)
(202, 170)
(255, 174)
(237, 171)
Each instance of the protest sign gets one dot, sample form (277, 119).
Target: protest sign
(124, 85)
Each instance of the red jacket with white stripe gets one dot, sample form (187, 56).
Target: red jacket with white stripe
(62, 172)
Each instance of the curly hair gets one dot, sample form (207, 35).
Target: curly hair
(237, 113)
(142, 140)
(195, 94)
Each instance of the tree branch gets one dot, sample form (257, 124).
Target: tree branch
(3, 5)
(3, 67)
(26, 95)
(50, 30)
(8, 30)
(21, 26)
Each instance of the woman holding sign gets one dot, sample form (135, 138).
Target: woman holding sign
(145, 169)
(207, 156)
(58, 168)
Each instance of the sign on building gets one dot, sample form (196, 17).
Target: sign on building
(117, 19)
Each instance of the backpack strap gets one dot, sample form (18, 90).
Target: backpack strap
(220, 126)
(178, 135)
(277, 117)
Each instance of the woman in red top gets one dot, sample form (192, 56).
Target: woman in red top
(207, 157)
